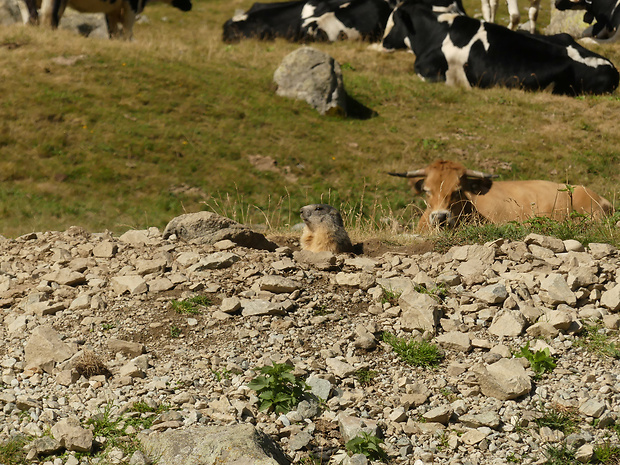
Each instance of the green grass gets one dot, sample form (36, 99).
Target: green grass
(416, 353)
(137, 133)
(595, 339)
(12, 452)
(191, 306)
(558, 419)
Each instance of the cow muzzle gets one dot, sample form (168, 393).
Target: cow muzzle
(442, 219)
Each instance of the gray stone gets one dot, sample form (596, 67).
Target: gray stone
(299, 441)
(476, 420)
(105, 249)
(599, 251)
(230, 305)
(592, 408)
(492, 294)
(320, 260)
(70, 434)
(259, 307)
(65, 277)
(611, 298)
(555, 290)
(241, 444)
(439, 414)
(132, 284)
(313, 76)
(351, 426)
(319, 387)
(216, 261)
(362, 281)
(585, 453)
(208, 227)
(10, 13)
(508, 323)
(44, 349)
(133, 349)
(420, 311)
(542, 329)
(572, 245)
(570, 22)
(552, 243)
(339, 368)
(455, 340)
(278, 284)
(505, 379)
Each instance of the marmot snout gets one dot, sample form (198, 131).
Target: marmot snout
(324, 230)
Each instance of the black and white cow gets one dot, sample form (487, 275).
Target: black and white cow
(606, 13)
(117, 12)
(308, 20)
(465, 51)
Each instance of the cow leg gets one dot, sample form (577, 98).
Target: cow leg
(31, 15)
(533, 14)
(51, 12)
(513, 11)
(129, 18)
(486, 11)
(112, 20)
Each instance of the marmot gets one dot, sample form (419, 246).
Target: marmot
(324, 230)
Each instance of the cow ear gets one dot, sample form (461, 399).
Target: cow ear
(477, 186)
(417, 184)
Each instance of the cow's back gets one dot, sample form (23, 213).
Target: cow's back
(519, 200)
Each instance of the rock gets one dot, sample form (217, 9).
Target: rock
(339, 368)
(133, 349)
(599, 251)
(351, 426)
(210, 228)
(358, 280)
(592, 408)
(129, 284)
(542, 329)
(237, 444)
(319, 387)
(44, 349)
(259, 307)
(420, 311)
(66, 277)
(9, 13)
(505, 379)
(91, 25)
(70, 434)
(611, 298)
(311, 75)
(551, 243)
(455, 340)
(585, 453)
(492, 294)
(440, 414)
(476, 420)
(555, 290)
(216, 261)
(320, 260)
(278, 284)
(508, 323)
(105, 249)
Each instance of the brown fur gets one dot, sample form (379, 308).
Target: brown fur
(324, 230)
(457, 195)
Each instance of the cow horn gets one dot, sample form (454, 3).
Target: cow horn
(479, 174)
(411, 174)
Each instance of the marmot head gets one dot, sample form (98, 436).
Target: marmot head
(321, 214)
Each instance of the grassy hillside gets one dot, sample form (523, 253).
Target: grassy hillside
(133, 134)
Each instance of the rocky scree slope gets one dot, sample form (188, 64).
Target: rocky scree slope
(67, 295)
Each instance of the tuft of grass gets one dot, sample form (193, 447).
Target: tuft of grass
(89, 364)
(191, 306)
(416, 353)
(12, 451)
(438, 290)
(607, 453)
(565, 420)
(365, 376)
(595, 339)
(389, 296)
(577, 226)
(559, 455)
(175, 331)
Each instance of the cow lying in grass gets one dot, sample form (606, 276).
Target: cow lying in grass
(464, 51)
(309, 20)
(454, 193)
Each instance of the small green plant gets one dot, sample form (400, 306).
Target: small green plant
(389, 296)
(107, 326)
(365, 376)
(541, 361)
(595, 340)
(278, 389)
(321, 310)
(221, 374)
(416, 353)
(607, 453)
(13, 451)
(368, 445)
(439, 290)
(190, 306)
(175, 331)
(559, 419)
(559, 455)
(512, 458)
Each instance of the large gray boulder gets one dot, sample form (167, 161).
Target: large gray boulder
(311, 75)
(91, 25)
(570, 22)
(207, 445)
(9, 13)
(210, 228)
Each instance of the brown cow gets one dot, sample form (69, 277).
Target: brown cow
(454, 193)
